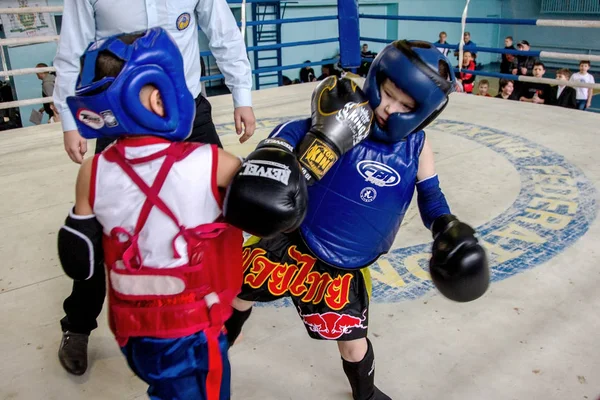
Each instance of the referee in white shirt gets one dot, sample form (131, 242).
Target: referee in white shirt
(85, 21)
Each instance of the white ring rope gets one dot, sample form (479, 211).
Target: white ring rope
(22, 103)
(565, 23)
(31, 10)
(463, 25)
(28, 40)
(25, 71)
(569, 56)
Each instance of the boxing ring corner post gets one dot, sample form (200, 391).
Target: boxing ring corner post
(349, 31)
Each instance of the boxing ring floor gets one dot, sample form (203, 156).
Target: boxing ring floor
(534, 335)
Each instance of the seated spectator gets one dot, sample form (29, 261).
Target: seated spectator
(367, 59)
(442, 40)
(507, 59)
(286, 80)
(307, 74)
(533, 92)
(466, 78)
(584, 95)
(482, 88)
(563, 96)
(522, 65)
(326, 71)
(506, 90)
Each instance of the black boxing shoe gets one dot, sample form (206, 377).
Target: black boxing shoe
(73, 352)
(379, 395)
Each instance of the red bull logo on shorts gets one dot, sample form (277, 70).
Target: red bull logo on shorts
(299, 279)
(331, 325)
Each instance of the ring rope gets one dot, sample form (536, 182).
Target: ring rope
(24, 71)
(523, 78)
(564, 23)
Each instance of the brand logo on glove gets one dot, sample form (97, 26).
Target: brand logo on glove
(318, 158)
(109, 118)
(269, 169)
(357, 118)
(90, 118)
(377, 173)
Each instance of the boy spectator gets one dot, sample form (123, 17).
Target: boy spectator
(442, 40)
(507, 59)
(307, 74)
(465, 78)
(506, 90)
(564, 96)
(584, 95)
(366, 55)
(482, 88)
(533, 92)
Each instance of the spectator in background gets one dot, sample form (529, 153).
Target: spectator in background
(584, 95)
(468, 42)
(483, 87)
(326, 71)
(533, 92)
(307, 74)
(523, 65)
(367, 58)
(442, 40)
(465, 78)
(48, 80)
(507, 59)
(506, 90)
(561, 95)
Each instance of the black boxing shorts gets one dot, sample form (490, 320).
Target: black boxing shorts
(333, 303)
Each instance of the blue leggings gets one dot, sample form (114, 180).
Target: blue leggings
(176, 369)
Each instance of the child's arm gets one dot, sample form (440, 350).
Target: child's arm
(458, 265)
(80, 238)
(432, 202)
(590, 93)
(228, 165)
(82, 189)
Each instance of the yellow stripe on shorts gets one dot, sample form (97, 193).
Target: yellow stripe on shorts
(252, 240)
(366, 272)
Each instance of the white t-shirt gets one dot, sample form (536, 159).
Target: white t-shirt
(582, 93)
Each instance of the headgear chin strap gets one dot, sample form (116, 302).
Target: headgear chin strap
(413, 69)
(111, 106)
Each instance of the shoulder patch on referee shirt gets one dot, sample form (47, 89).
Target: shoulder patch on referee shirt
(183, 21)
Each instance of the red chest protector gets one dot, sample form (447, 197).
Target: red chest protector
(212, 277)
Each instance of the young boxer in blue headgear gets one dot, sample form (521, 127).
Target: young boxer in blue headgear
(357, 199)
(150, 209)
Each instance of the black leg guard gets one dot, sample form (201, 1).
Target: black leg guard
(234, 324)
(362, 377)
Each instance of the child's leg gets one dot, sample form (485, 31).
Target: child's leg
(358, 360)
(179, 368)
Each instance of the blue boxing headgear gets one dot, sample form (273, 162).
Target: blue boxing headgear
(111, 106)
(413, 66)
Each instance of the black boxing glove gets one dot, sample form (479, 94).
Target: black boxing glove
(268, 195)
(341, 118)
(459, 265)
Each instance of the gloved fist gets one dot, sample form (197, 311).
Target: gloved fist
(459, 265)
(268, 195)
(341, 119)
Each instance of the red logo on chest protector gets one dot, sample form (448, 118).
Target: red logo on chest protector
(332, 325)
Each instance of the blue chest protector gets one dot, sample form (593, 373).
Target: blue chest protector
(355, 211)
